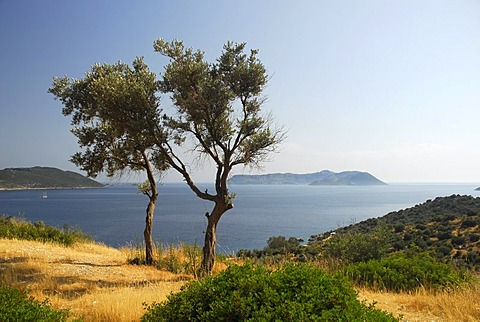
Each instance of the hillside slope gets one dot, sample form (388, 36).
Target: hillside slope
(43, 177)
(447, 226)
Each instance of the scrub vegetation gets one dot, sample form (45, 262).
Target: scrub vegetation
(15, 228)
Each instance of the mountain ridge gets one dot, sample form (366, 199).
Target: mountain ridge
(322, 178)
(44, 178)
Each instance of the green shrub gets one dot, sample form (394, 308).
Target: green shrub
(354, 247)
(403, 271)
(458, 240)
(17, 306)
(11, 228)
(467, 223)
(255, 293)
(281, 245)
(474, 237)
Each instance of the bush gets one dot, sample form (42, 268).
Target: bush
(458, 240)
(399, 228)
(467, 223)
(442, 235)
(404, 271)
(474, 237)
(11, 228)
(281, 245)
(17, 306)
(358, 247)
(254, 293)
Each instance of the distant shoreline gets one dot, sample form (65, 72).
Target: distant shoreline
(49, 188)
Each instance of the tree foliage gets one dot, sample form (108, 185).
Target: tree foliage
(116, 118)
(219, 111)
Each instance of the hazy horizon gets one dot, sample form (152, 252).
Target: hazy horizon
(391, 88)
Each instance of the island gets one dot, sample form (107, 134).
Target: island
(43, 178)
(322, 178)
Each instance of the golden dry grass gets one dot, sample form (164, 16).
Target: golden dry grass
(462, 305)
(95, 282)
(92, 280)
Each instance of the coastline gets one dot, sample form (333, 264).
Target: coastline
(48, 188)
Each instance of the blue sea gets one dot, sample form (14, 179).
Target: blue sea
(115, 215)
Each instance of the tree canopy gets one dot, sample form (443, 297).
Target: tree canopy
(219, 109)
(116, 118)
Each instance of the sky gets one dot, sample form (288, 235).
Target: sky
(388, 87)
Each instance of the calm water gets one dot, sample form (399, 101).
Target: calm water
(116, 215)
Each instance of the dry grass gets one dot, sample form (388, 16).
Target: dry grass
(461, 305)
(95, 282)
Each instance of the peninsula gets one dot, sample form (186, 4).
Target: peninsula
(43, 178)
(322, 178)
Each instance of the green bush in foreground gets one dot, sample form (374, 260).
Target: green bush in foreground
(11, 228)
(404, 271)
(254, 293)
(16, 306)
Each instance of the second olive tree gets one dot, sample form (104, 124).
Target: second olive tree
(219, 111)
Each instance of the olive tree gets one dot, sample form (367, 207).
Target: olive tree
(116, 116)
(219, 110)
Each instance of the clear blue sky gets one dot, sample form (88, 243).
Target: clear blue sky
(391, 87)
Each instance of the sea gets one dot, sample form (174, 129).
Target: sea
(115, 215)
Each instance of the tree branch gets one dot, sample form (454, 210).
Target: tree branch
(178, 165)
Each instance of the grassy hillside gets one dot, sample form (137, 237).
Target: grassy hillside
(43, 177)
(97, 283)
(447, 226)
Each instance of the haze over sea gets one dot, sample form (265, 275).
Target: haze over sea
(116, 215)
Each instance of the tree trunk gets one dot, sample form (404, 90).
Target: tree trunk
(152, 193)
(209, 246)
(147, 233)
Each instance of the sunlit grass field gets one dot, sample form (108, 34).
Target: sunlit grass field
(98, 283)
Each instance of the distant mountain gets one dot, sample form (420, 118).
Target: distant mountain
(43, 177)
(478, 189)
(323, 178)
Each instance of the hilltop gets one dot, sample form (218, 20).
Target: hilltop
(322, 178)
(447, 226)
(43, 178)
